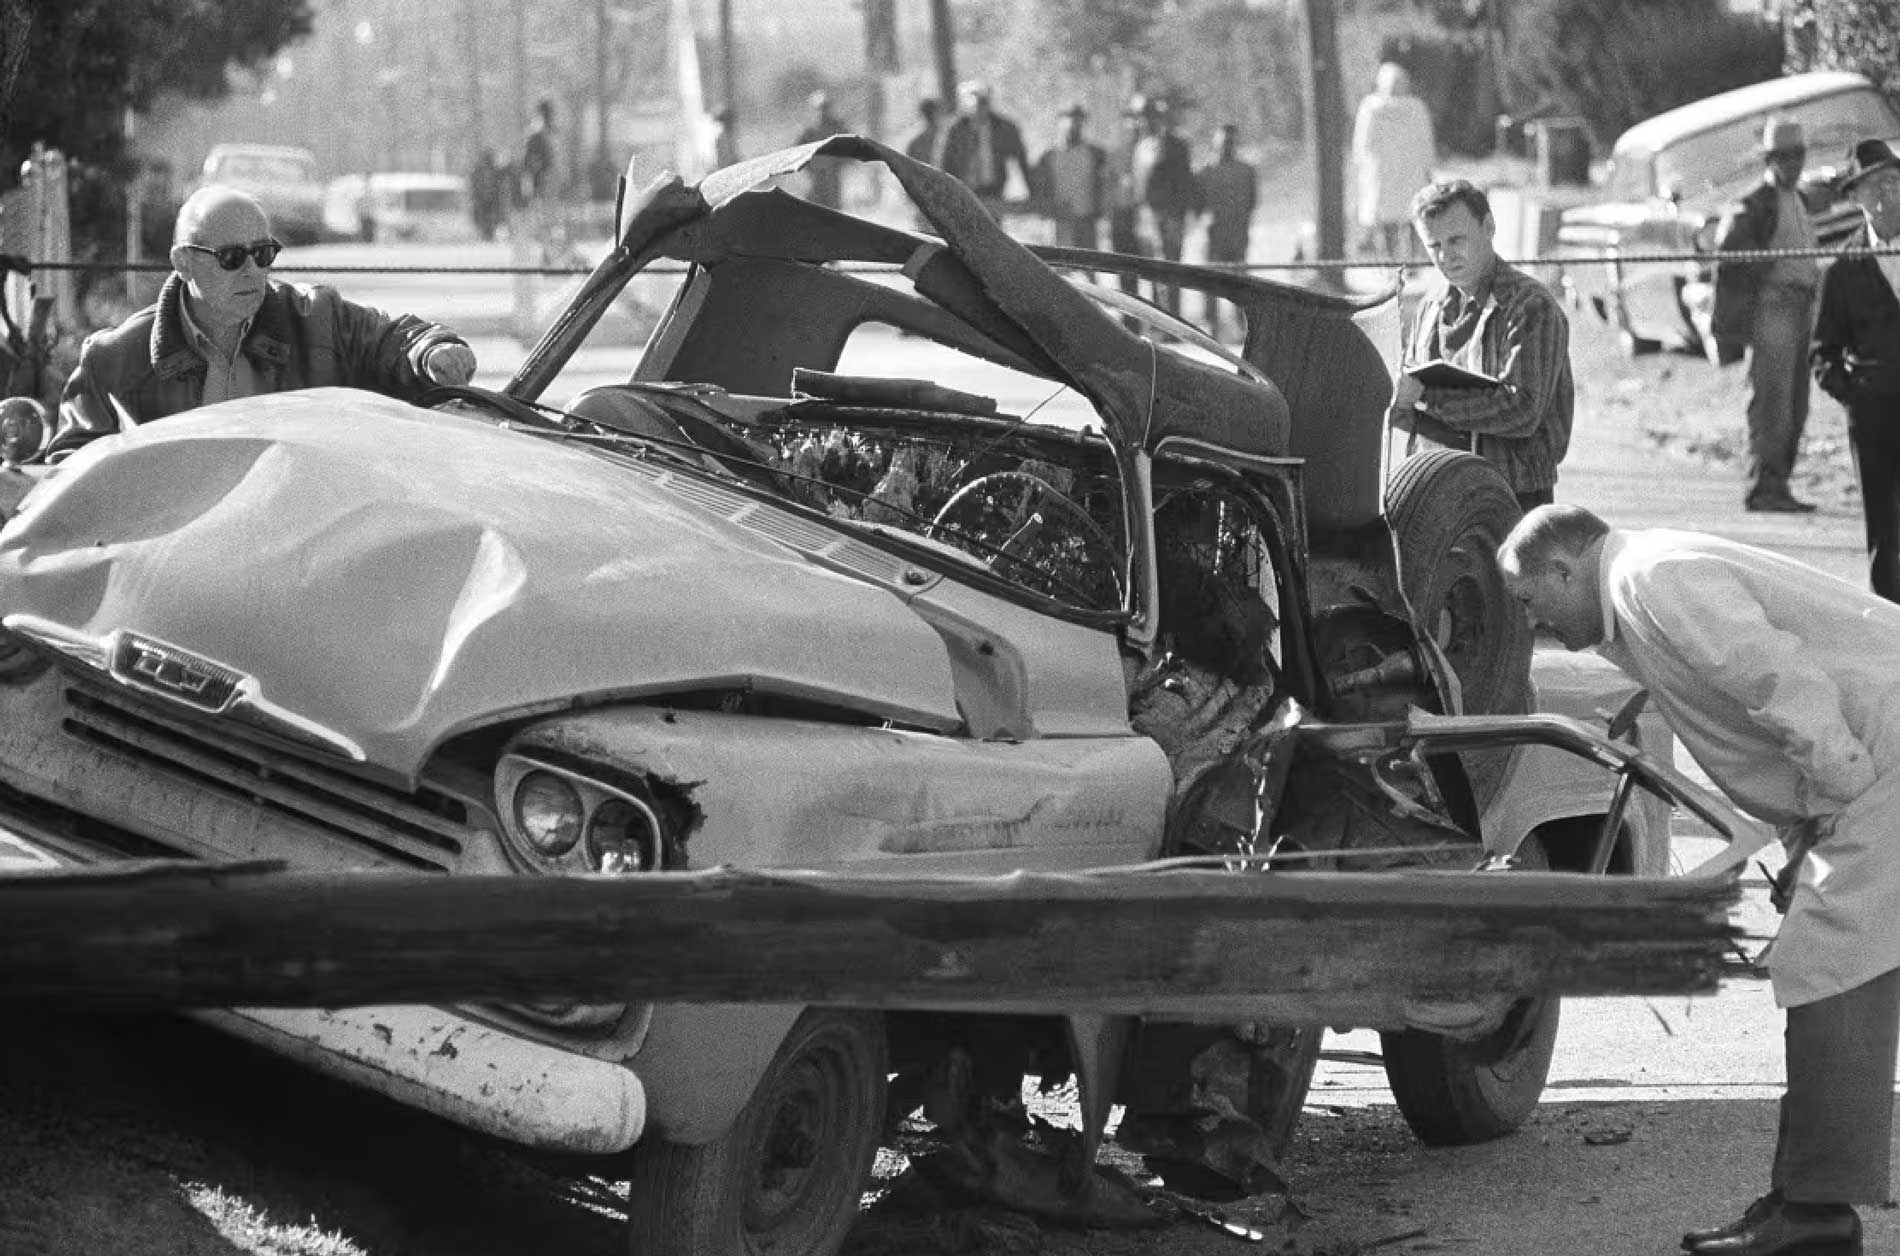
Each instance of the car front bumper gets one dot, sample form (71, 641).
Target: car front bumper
(473, 1074)
(436, 1059)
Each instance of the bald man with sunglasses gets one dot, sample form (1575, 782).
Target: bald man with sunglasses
(222, 328)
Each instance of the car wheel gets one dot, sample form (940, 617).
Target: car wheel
(1453, 1092)
(789, 1174)
(1634, 346)
(1448, 511)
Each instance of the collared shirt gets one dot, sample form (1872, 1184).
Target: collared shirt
(1458, 319)
(1793, 230)
(225, 377)
(1513, 329)
(1889, 262)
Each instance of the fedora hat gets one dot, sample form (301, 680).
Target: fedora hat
(1782, 135)
(1865, 158)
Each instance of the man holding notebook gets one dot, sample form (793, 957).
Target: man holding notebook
(1487, 364)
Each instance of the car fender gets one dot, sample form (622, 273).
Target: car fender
(701, 1062)
(1548, 785)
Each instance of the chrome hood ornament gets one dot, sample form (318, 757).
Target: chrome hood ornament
(177, 675)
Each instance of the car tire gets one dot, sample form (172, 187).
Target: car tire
(1633, 345)
(789, 1175)
(1453, 1092)
(1448, 511)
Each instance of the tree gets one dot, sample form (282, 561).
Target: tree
(84, 62)
(1615, 62)
(1092, 33)
(1860, 35)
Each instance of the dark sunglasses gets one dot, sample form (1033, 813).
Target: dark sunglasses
(232, 256)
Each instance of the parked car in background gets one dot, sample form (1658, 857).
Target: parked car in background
(1670, 178)
(399, 205)
(757, 605)
(283, 179)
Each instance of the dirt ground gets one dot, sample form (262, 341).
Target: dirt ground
(150, 1136)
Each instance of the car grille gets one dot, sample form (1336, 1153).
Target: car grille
(424, 829)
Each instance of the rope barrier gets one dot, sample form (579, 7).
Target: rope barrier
(1610, 257)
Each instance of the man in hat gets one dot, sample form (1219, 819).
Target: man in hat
(922, 143)
(1856, 352)
(1072, 177)
(824, 177)
(1163, 173)
(1766, 307)
(980, 145)
(1229, 190)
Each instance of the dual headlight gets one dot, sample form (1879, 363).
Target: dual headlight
(561, 821)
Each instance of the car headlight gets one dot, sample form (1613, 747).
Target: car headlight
(23, 430)
(623, 836)
(548, 813)
(557, 819)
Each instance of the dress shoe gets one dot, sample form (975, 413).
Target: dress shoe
(1789, 505)
(1782, 1228)
(1753, 1213)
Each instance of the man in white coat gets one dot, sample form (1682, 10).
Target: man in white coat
(1393, 149)
(1784, 683)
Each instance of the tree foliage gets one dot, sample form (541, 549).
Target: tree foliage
(1615, 62)
(86, 61)
(1859, 35)
(1091, 33)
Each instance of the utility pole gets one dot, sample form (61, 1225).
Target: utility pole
(943, 43)
(520, 10)
(472, 32)
(603, 158)
(728, 67)
(1326, 135)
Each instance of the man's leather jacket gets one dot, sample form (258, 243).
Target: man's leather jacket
(303, 336)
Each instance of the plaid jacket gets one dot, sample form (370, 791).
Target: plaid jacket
(1523, 340)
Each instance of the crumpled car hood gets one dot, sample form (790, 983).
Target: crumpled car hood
(396, 575)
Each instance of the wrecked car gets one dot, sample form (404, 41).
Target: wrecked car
(746, 608)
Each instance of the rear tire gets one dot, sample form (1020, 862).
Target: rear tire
(788, 1176)
(1453, 1093)
(1448, 511)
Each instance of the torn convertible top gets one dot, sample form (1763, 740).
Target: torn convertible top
(1145, 394)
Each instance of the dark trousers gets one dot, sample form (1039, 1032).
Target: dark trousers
(1777, 388)
(1124, 236)
(1875, 438)
(1223, 249)
(1836, 1133)
(1170, 235)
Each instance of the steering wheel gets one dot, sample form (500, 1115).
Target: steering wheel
(1036, 492)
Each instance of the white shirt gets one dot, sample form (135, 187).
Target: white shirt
(1784, 683)
(1889, 262)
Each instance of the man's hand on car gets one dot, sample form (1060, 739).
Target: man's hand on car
(451, 363)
